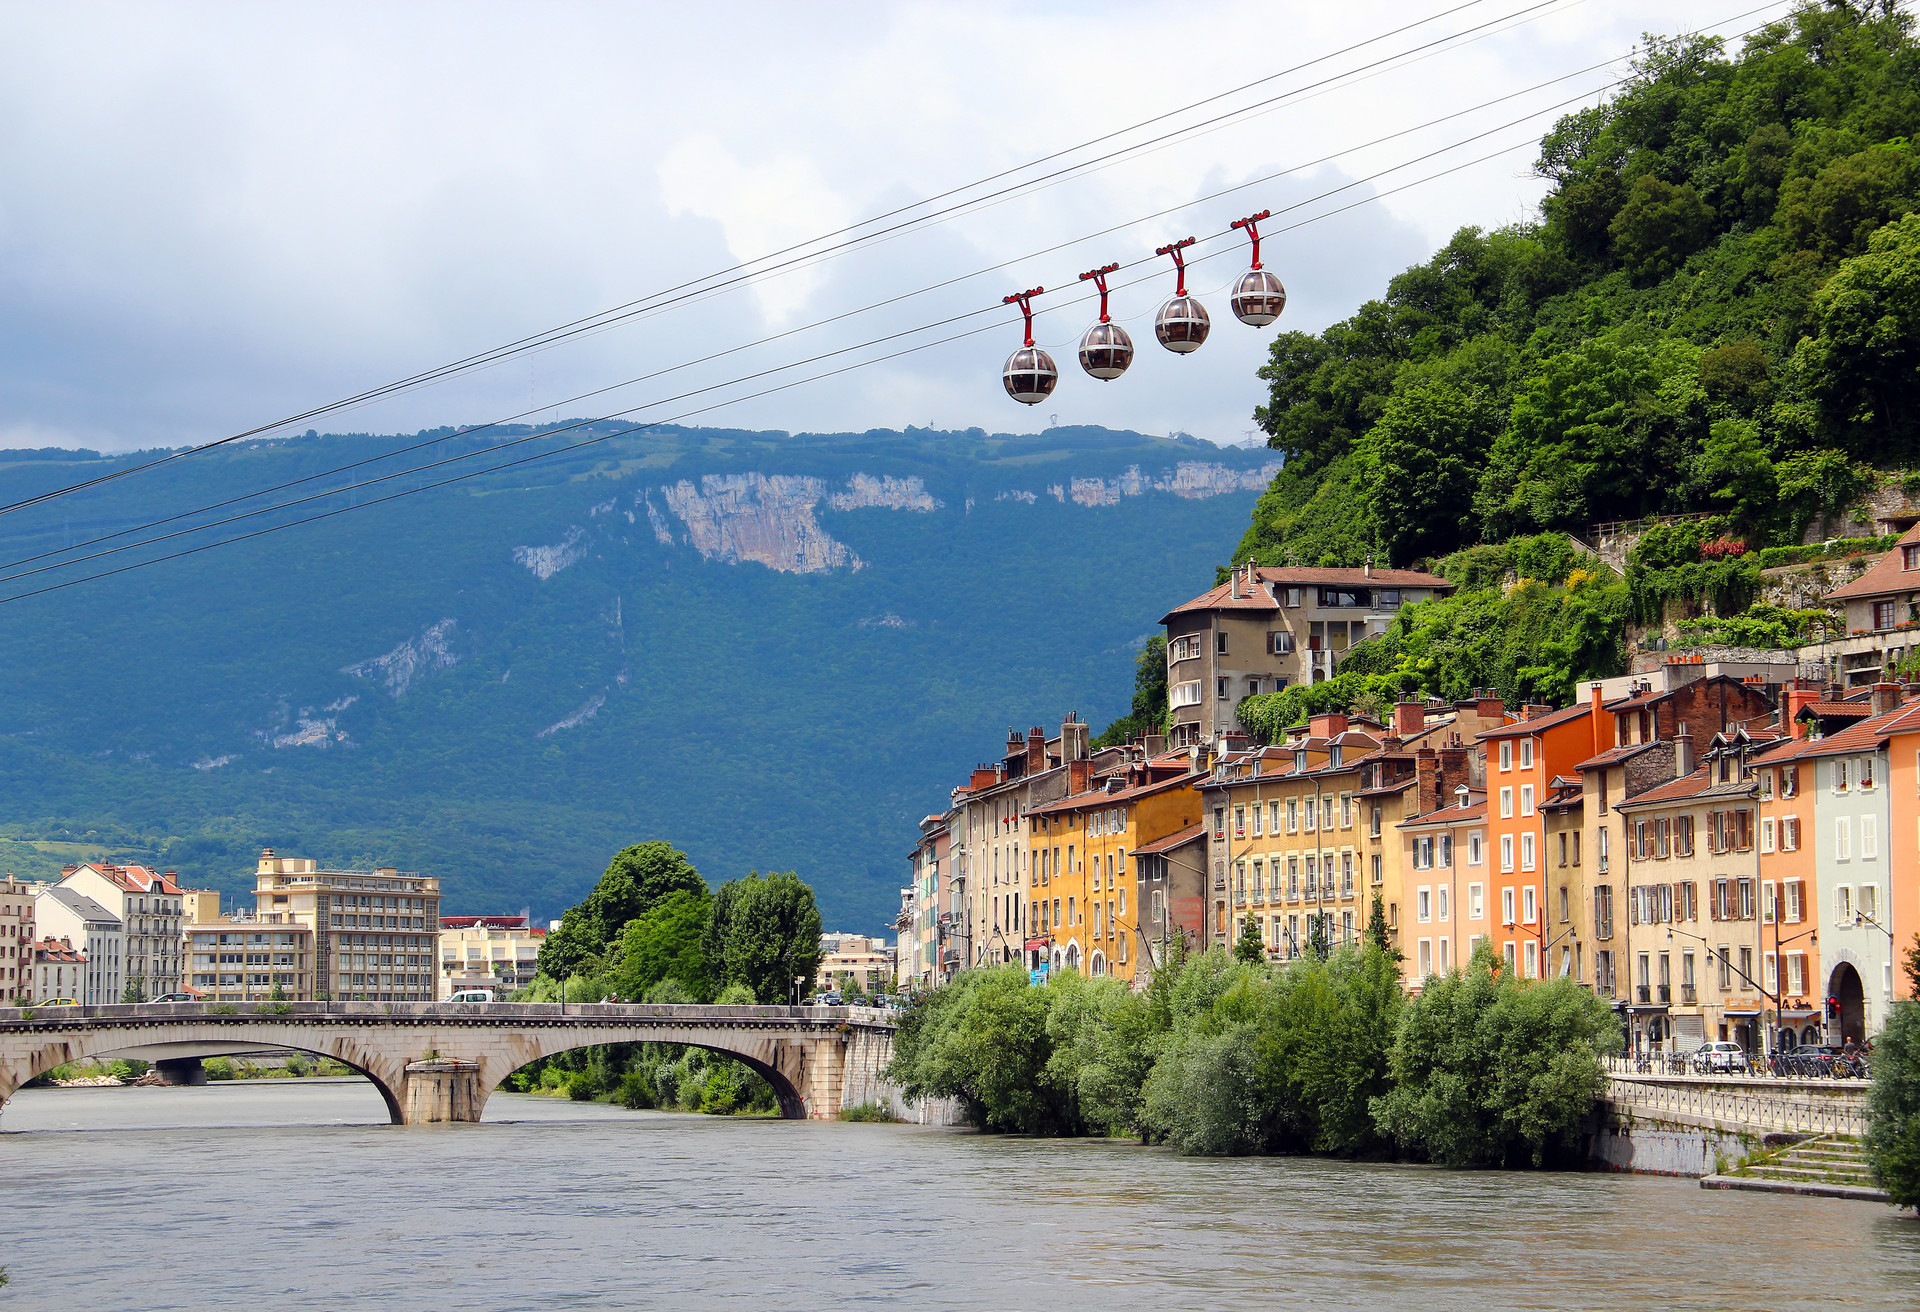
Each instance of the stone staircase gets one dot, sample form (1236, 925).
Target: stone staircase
(1827, 1166)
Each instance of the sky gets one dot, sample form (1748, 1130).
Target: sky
(215, 216)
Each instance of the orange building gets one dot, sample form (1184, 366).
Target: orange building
(1903, 842)
(1789, 894)
(1523, 759)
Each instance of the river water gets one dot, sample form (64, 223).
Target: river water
(296, 1195)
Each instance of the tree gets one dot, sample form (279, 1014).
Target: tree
(1862, 363)
(1659, 226)
(1423, 462)
(1893, 1106)
(1377, 930)
(1248, 947)
(666, 942)
(136, 989)
(1487, 1067)
(983, 1039)
(636, 879)
(768, 929)
(1911, 964)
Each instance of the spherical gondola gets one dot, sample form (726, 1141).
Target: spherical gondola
(1182, 324)
(1106, 351)
(1258, 298)
(1030, 375)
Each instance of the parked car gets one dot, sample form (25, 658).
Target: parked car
(472, 995)
(174, 997)
(828, 1000)
(1720, 1056)
(56, 1002)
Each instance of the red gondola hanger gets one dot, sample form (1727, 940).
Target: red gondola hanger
(1182, 324)
(1030, 374)
(1259, 297)
(1106, 350)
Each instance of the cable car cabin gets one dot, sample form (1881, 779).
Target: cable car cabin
(1106, 351)
(1182, 325)
(1258, 298)
(1030, 375)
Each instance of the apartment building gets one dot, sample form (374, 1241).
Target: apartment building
(1171, 888)
(60, 971)
(92, 930)
(1523, 759)
(487, 952)
(1084, 886)
(149, 905)
(925, 925)
(1267, 628)
(1444, 908)
(17, 937)
(375, 933)
(251, 960)
(854, 963)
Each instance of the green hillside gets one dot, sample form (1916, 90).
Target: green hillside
(1716, 315)
(505, 681)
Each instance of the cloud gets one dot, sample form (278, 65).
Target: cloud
(214, 215)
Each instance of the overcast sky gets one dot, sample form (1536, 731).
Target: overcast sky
(212, 215)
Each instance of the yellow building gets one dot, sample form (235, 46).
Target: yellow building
(848, 961)
(375, 932)
(1085, 913)
(488, 952)
(247, 960)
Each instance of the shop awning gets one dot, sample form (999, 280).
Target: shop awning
(1798, 1013)
(1739, 1013)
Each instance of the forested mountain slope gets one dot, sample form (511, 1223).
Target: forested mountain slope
(769, 649)
(1717, 313)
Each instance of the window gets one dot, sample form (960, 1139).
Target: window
(1253, 687)
(1440, 903)
(1506, 851)
(1219, 822)
(1526, 799)
(1506, 753)
(1373, 823)
(1563, 847)
(1527, 903)
(1508, 951)
(1526, 853)
(1533, 959)
(1839, 777)
(1426, 957)
(1869, 900)
(1476, 902)
(1789, 781)
(1766, 785)
(1282, 642)
(1376, 868)
(1239, 822)
(1869, 836)
(1526, 753)
(1603, 911)
(1790, 833)
(1222, 689)
(1423, 904)
(1474, 855)
(1506, 906)
(1423, 852)
(1792, 889)
(1220, 642)
(1506, 800)
(1766, 835)
(1273, 817)
(1883, 615)
(1563, 904)
(1346, 810)
(1843, 839)
(1259, 813)
(1293, 815)
(1864, 771)
(1186, 694)
(1745, 887)
(1843, 903)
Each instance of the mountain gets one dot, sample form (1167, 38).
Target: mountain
(769, 649)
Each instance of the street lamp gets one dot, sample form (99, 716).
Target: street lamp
(798, 982)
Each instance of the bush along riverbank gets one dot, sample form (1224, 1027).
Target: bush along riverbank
(1225, 1057)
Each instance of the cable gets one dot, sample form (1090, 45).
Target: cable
(736, 381)
(944, 283)
(602, 318)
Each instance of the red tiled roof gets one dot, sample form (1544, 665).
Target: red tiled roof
(1536, 724)
(1450, 814)
(134, 879)
(1222, 598)
(1190, 834)
(1613, 756)
(1858, 710)
(52, 949)
(1888, 574)
(1866, 734)
(1674, 790)
(1094, 801)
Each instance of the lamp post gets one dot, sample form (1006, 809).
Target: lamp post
(1759, 988)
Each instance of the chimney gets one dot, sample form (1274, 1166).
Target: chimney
(1154, 743)
(1884, 697)
(1490, 708)
(1682, 751)
(1409, 719)
(1015, 743)
(1367, 569)
(1079, 775)
(1596, 716)
(1800, 695)
(1073, 737)
(1426, 774)
(1454, 771)
(1036, 750)
(984, 776)
(1330, 724)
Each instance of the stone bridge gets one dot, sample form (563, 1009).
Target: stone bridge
(441, 1061)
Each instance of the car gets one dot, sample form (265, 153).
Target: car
(56, 1002)
(1720, 1056)
(828, 1000)
(472, 995)
(174, 997)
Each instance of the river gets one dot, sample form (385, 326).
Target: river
(294, 1194)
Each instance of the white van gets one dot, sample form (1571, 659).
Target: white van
(472, 995)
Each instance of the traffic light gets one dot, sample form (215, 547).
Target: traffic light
(1833, 1007)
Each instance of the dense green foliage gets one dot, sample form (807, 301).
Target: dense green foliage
(664, 942)
(1487, 1067)
(764, 933)
(1148, 712)
(513, 751)
(1718, 310)
(1893, 1106)
(1220, 1055)
(636, 880)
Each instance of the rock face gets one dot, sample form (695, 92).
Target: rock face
(545, 562)
(760, 518)
(412, 659)
(1190, 478)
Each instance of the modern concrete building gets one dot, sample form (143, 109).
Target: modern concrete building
(1266, 628)
(249, 960)
(848, 961)
(149, 906)
(375, 932)
(17, 938)
(488, 952)
(93, 931)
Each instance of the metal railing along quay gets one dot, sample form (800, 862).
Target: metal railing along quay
(1743, 1101)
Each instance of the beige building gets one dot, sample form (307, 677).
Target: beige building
(487, 952)
(17, 938)
(94, 932)
(1268, 628)
(375, 932)
(199, 906)
(850, 960)
(149, 906)
(245, 961)
(60, 971)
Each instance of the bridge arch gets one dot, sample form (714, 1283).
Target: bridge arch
(755, 1057)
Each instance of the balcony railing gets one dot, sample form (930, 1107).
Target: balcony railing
(1643, 994)
(1686, 995)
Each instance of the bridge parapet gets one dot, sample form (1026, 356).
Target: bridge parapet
(1743, 1104)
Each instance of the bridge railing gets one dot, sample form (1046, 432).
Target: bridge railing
(1745, 1103)
(545, 1012)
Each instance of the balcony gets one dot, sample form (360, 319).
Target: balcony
(1643, 994)
(1687, 997)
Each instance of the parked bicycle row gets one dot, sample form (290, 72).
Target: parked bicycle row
(1823, 1061)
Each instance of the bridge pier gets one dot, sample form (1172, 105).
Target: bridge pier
(441, 1089)
(180, 1071)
